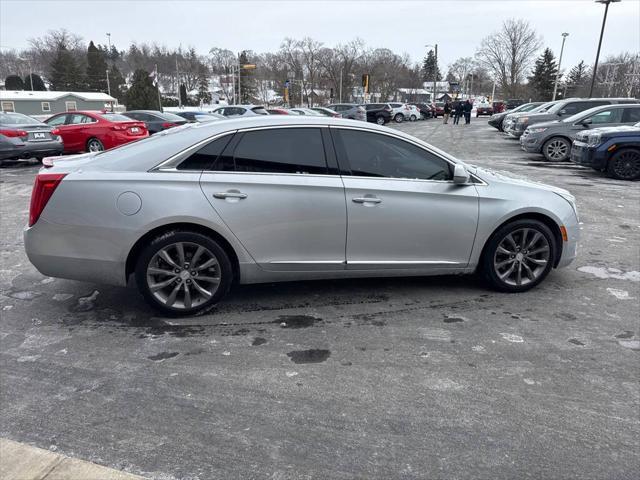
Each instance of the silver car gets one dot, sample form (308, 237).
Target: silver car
(350, 110)
(241, 111)
(191, 211)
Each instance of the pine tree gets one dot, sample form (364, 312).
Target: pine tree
(577, 79)
(13, 82)
(65, 74)
(203, 87)
(544, 76)
(96, 69)
(430, 68)
(247, 82)
(142, 95)
(117, 83)
(38, 83)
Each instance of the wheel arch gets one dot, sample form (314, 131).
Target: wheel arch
(143, 241)
(541, 217)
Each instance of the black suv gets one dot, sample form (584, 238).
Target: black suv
(379, 113)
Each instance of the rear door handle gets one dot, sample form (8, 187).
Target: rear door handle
(366, 200)
(223, 195)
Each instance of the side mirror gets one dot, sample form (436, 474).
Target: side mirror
(562, 112)
(586, 122)
(460, 174)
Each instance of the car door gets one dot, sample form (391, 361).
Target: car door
(403, 209)
(276, 192)
(71, 132)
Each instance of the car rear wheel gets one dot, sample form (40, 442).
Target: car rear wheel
(556, 149)
(380, 120)
(94, 145)
(399, 118)
(518, 256)
(625, 165)
(183, 273)
(413, 118)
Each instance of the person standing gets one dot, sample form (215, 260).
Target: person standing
(467, 112)
(457, 112)
(447, 111)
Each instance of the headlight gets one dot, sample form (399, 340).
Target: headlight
(594, 140)
(523, 119)
(536, 129)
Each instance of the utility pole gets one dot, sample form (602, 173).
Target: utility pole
(604, 21)
(108, 85)
(178, 83)
(340, 99)
(555, 85)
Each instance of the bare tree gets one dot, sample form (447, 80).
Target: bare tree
(619, 76)
(509, 53)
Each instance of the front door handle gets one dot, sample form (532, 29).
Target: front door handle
(223, 195)
(366, 200)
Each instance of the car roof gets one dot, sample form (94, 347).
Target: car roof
(145, 154)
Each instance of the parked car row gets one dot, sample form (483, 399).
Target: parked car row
(554, 129)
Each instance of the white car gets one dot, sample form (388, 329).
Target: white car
(414, 113)
(400, 112)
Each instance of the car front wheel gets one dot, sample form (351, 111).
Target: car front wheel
(625, 165)
(556, 149)
(380, 120)
(183, 273)
(518, 256)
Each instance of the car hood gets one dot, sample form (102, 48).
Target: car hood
(619, 128)
(513, 179)
(550, 124)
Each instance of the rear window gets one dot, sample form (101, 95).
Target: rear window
(204, 158)
(259, 111)
(17, 119)
(115, 117)
(172, 117)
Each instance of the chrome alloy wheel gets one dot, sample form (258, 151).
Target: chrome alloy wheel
(95, 145)
(557, 150)
(183, 275)
(521, 256)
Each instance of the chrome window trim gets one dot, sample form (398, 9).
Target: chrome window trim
(171, 163)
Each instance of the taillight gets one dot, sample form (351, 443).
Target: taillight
(43, 187)
(14, 133)
(118, 127)
(55, 131)
(168, 125)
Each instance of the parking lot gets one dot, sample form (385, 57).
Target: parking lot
(378, 378)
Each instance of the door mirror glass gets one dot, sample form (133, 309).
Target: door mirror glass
(586, 122)
(562, 112)
(460, 174)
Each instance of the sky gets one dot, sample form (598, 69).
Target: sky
(457, 26)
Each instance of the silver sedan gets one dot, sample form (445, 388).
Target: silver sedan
(193, 210)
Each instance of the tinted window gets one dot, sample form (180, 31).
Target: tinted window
(17, 119)
(78, 118)
(375, 155)
(115, 117)
(140, 116)
(259, 110)
(613, 115)
(631, 115)
(576, 107)
(206, 157)
(171, 117)
(287, 150)
(54, 121)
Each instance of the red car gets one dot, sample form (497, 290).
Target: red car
(95, 131)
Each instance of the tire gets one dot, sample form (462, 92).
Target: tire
(413, 118)
(179, 278)
(380, 120)
(624, 164)
(556, 149)
(517, 271)
(94, 145)
(399, 118)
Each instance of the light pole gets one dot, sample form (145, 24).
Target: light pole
(555, 85)
(604, 21)
(29, 68)
(435, 70)
(109, 53)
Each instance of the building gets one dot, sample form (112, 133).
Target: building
(38, 103)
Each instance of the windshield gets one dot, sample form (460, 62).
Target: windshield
(543, 108)
(527, 107)
(17, 119)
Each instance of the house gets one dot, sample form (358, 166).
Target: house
(414, 95)
(38, 103)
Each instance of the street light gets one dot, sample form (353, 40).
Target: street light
(555, 85)
(604, 21)
(435, 70)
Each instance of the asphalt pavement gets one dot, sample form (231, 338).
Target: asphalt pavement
(415, 378)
